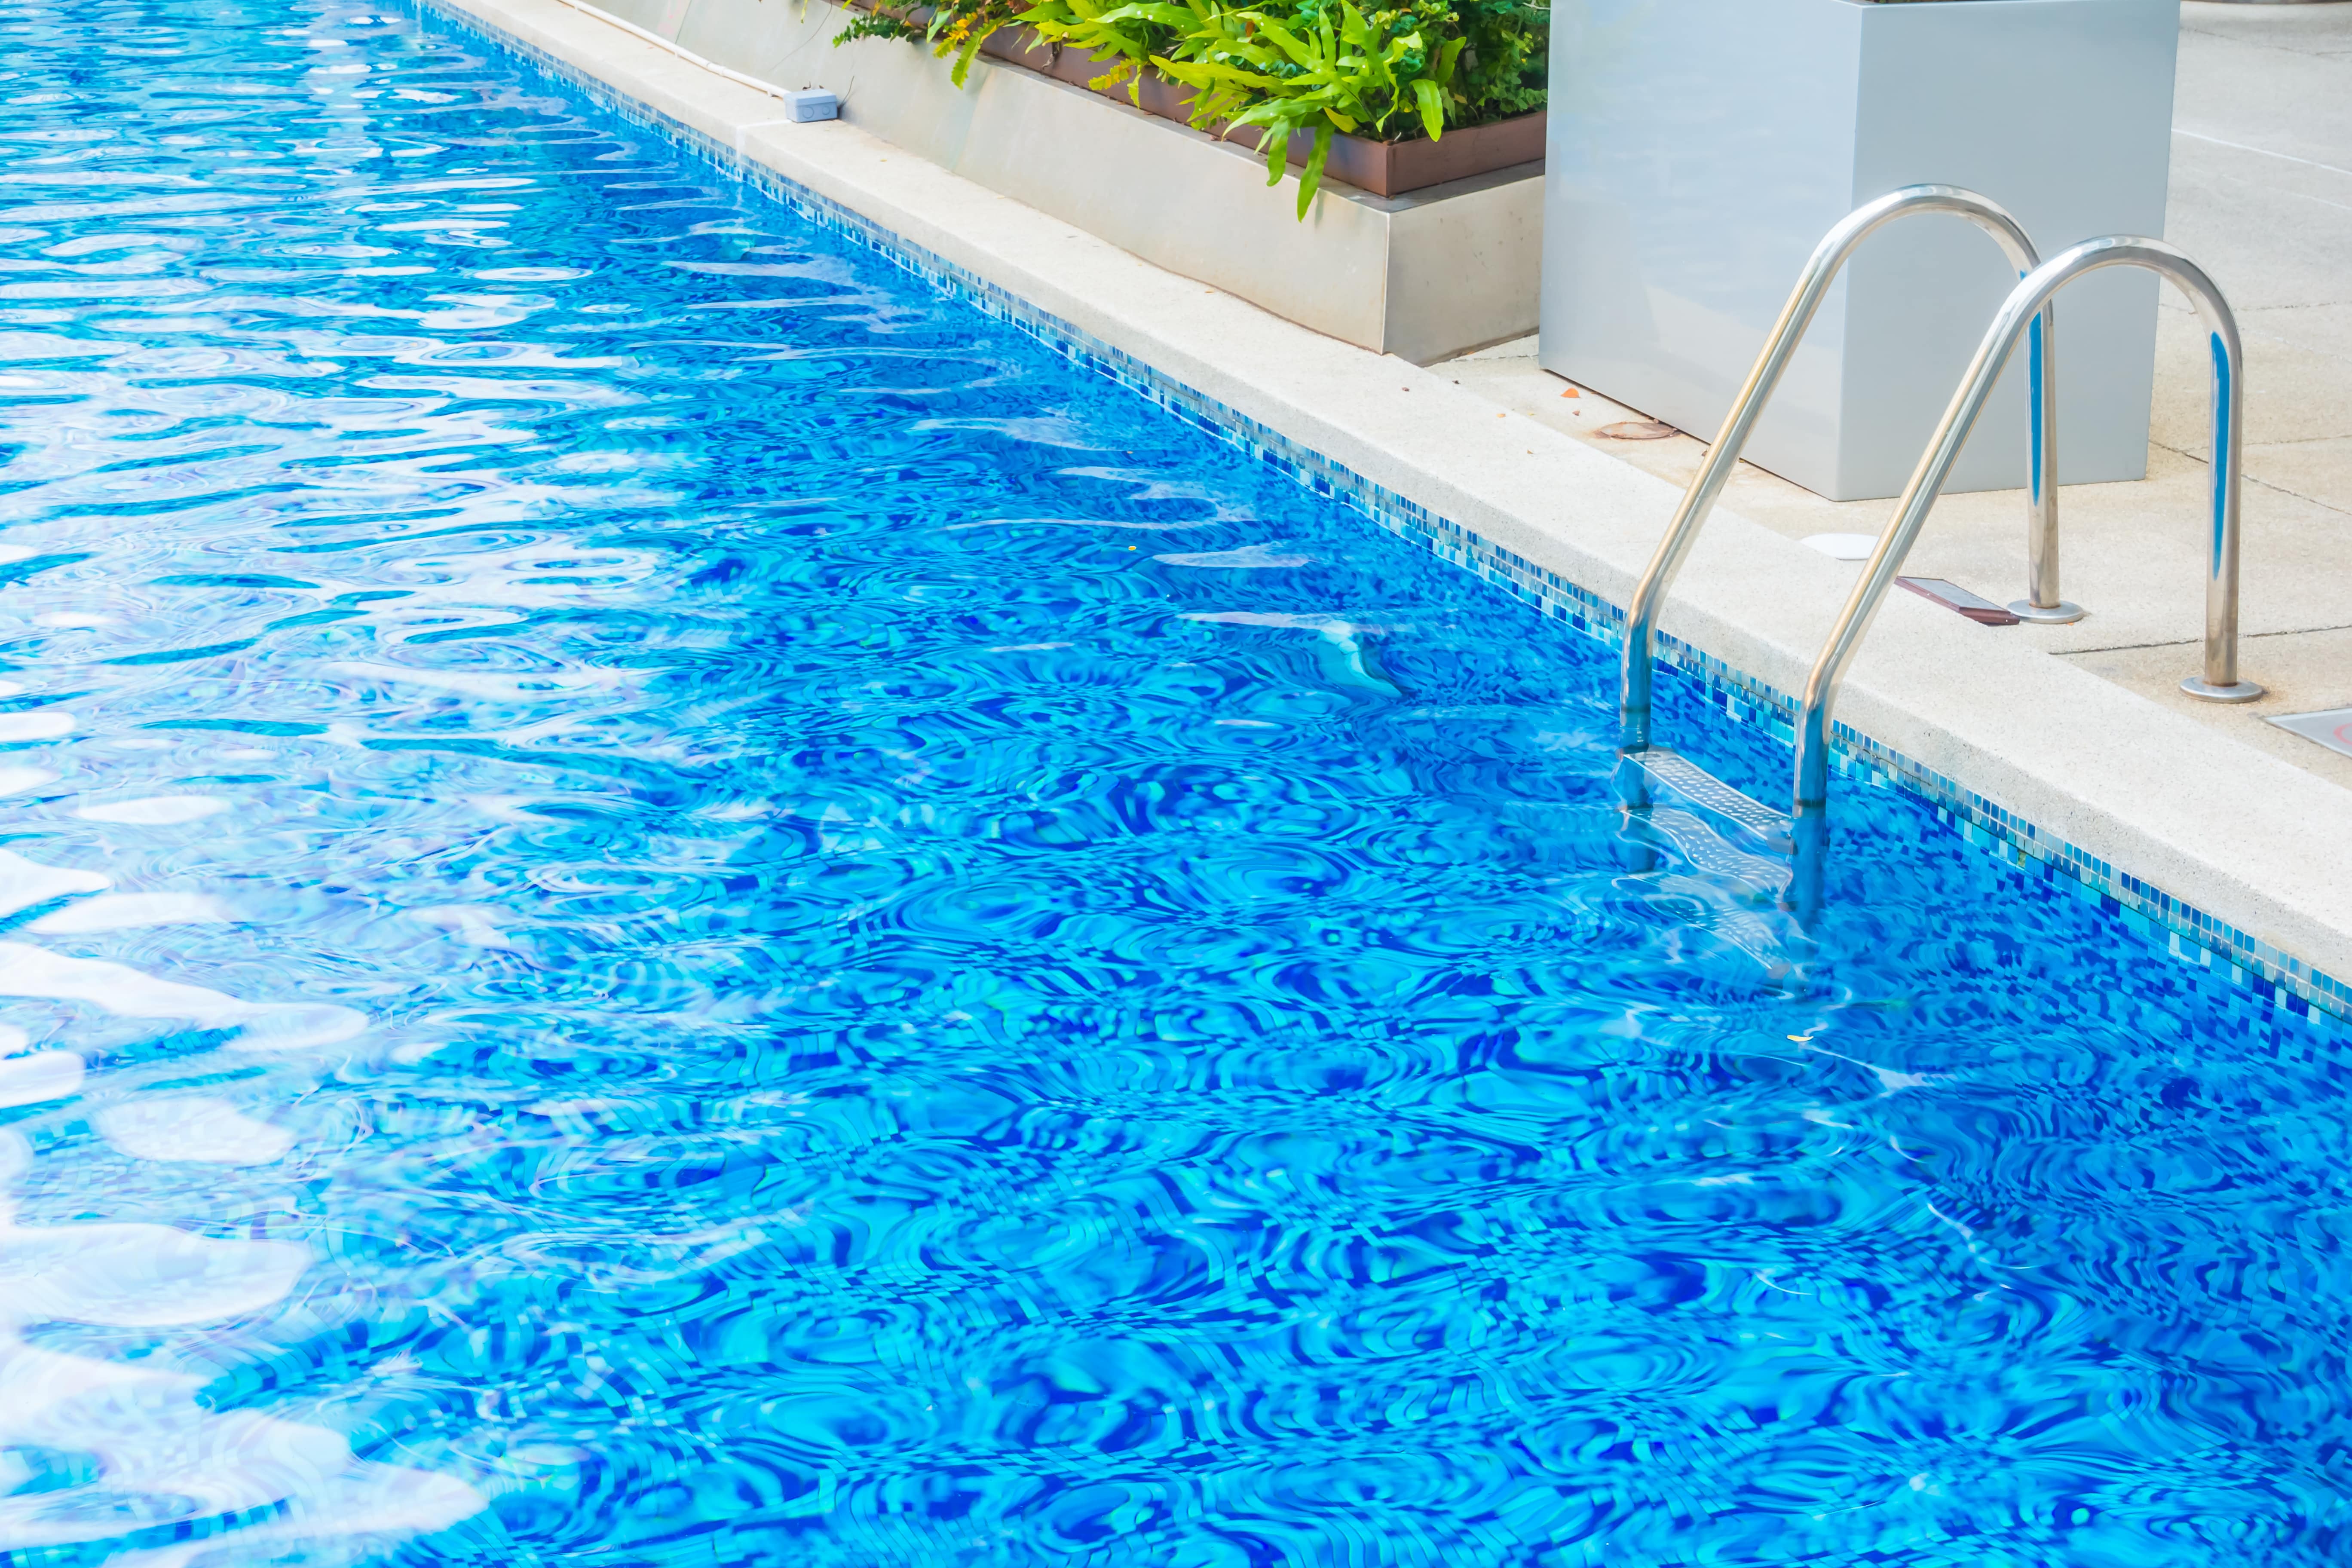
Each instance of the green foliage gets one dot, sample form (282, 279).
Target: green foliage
(878, 25)
(958, 28)
(1247, 67)
(1131, 36)
(1507, 59)
(1284, 67)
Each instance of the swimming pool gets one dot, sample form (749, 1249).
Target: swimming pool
(674, 900)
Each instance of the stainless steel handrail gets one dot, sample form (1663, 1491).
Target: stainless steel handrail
(2220, 681)
(1780, 347)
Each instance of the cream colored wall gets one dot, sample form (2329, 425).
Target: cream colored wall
(646, 14)
(1465, 271)
(1422, 276)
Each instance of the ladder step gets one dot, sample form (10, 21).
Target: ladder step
(1738, 854)
(1710, 852)
(1673, 772)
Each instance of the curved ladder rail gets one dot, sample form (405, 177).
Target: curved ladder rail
(2220, 681)
(1780, 347)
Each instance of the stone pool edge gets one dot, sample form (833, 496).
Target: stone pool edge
(2056, 769)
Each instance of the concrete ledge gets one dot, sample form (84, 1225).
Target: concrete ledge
(2157, 800)
(1423, 275)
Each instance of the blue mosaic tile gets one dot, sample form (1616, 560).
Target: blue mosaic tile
(2248, 975)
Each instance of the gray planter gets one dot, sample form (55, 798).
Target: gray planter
(1699, 150)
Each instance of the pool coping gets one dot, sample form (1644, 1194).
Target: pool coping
(2059, 772)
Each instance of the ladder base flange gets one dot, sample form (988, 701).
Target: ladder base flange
(2238, 692)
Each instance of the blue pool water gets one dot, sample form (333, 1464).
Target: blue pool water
(672, 900)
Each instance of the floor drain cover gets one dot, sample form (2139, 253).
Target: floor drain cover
(1640, 430)
(1952, 596)
(2331, 728)
(1842, 546)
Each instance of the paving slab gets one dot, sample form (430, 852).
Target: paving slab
(2306, 673)
(2312, 30)
(2133, 552)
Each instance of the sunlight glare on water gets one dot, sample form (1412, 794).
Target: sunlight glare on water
(672, 900)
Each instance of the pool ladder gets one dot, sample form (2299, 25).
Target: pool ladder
(2028, 314)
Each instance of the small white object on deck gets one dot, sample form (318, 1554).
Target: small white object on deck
(1843, 546)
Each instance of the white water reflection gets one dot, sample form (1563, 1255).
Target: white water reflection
(36, 725)
(476, 925)
(195, 1128)
(29, 971)
(130, 911)
(18, 777)
(125, 1447)
(156, 811)
(44, 1075)
(24, 883)
(157, 1453)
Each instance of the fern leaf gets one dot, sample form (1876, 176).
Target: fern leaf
(1310, 178)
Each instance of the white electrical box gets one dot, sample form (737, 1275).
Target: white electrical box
(812, 104)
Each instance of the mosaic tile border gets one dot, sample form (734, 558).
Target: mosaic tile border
(2246, 969)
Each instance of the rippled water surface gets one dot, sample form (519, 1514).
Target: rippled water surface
(673, 901)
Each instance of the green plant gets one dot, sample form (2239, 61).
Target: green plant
(1283, 68)
(958, 28)
(1246, 68)
(1504, 67)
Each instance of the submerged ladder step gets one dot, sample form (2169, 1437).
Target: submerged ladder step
(1737, 854)
(1711, 853)
(1679, 775)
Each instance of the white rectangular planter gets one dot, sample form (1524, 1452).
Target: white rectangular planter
(1700, 148)
(1422, 275)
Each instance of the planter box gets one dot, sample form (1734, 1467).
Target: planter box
(1420, 274)
(1383, 168)
(1698, 151)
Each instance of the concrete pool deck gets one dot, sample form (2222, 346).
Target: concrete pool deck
(2138, 803)
(2261, 196)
